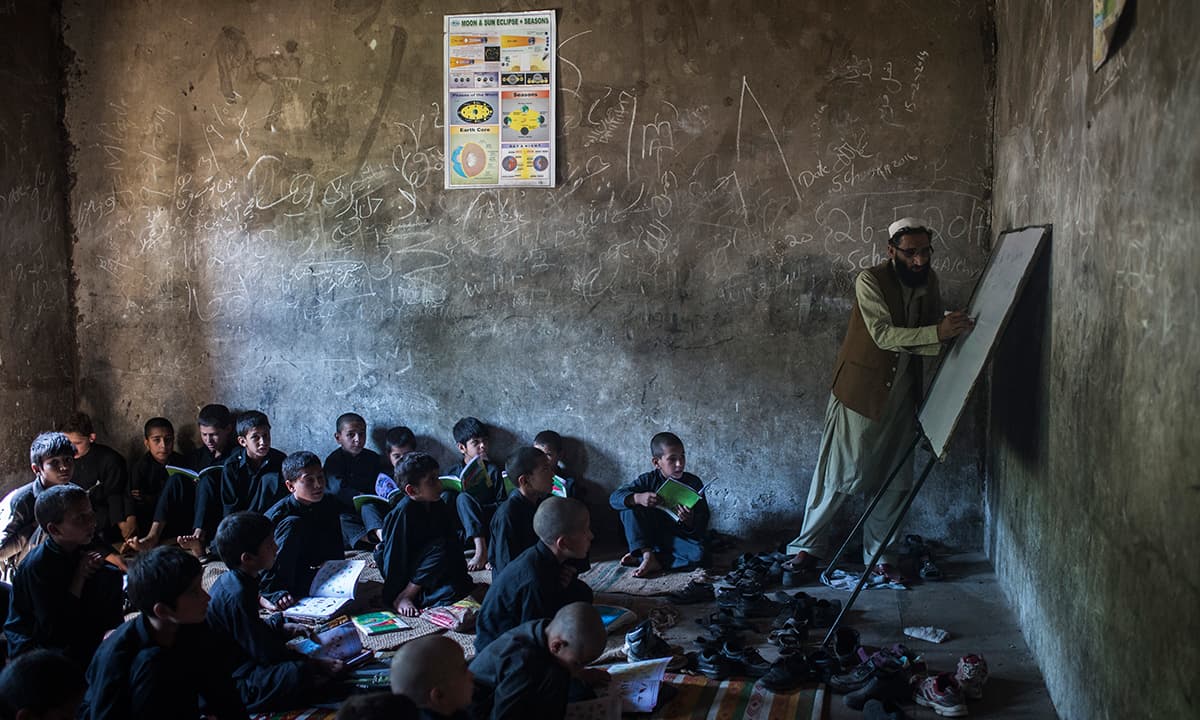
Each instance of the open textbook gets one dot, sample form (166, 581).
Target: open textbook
(338, 641)
(634, 689)
(674, 494)
(329, 592)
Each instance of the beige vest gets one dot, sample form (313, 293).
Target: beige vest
(863, 375)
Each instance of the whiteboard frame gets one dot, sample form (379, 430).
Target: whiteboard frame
(939, 445)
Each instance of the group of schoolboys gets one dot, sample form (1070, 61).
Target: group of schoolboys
(273, 519)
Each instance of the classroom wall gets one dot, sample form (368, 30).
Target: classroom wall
(1093, 495)
(260, 221)
(37, 328)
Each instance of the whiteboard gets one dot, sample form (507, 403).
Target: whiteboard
(991, 304)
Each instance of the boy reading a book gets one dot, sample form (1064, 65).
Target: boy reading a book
(542, 579)
(399, 442)
(52, 459)
(432, 672)
(421, 558)
(551, 443)
(102, 472)
(41, 685)
(308, 530)
(251, 477)
(527, 672)
(512, 525)
(174, 516)
(349, 471)
(483, 488)
(148, 476)
(162, 662)
(217, 428)
(269, 675)
(658, 539)
(64, 596)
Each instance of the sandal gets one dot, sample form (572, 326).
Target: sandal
(694, 592)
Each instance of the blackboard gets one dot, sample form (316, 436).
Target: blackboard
(991, 305)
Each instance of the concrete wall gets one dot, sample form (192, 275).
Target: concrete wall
(1093, 491)
(260, 221)
(37, 326)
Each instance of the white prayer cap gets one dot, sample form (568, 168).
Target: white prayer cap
(908, 224)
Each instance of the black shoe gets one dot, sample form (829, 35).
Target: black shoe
(642, 643)
(787, 674)
(695, 592)
(893, 687)
(714, 664)
(753, 663)
(845, 646)
(876, 710)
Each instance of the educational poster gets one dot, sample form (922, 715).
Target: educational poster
(499, 89)
(1105, 14)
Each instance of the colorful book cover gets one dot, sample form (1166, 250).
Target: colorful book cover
(560, 487)
(380, 623)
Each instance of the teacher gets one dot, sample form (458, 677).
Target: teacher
(871, 417)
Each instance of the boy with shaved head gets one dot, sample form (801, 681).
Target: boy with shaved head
(527, 671)
(432, 672)
(541, 580)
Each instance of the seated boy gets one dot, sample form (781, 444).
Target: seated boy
(399, 442)
(656, 540)
(41, 685)
(216, 447)
(550, 443)
(250, 478)
(351, 470)
(475, 505)
(269, 675)
(307, 530)
(64, 596)
(163, 662)
(102, 472)
(432, 672)
(148, 476)
(512, 525)
(542, 579)
(421, 559)
(52, 459)
(527, 671)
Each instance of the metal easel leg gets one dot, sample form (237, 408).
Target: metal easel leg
(870, 508)
(862, 581)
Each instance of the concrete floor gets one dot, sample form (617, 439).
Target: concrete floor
(968, 603)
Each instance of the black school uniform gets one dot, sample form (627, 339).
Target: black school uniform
(21, 533)
(176, 508)
(528, 589)
(43, 612)
(348, 475)
(420, 545)
(133, 677)
(517, 677)
(307, 536)
(679, 546)
(512, 530)
(105, 476)
(268, 674)
(147, 479)
(244, 488)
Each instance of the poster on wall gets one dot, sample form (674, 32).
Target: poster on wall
(1105, 14)
(499, 90)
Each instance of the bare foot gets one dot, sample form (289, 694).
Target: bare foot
(632, 559)
(192, 544)
(406, 607)
(477, 563)
(650, 566)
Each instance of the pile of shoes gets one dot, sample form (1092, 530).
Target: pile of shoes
(642, 643)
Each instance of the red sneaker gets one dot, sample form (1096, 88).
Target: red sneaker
(941, 694)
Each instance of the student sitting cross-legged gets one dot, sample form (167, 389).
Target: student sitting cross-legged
(64, 596)
(166, 662)
(420, 558)
(148, 476)
(512, 525)
(269, 675)
(308, 530)
(349, 471)
(432, 672)
(656, 540)
(217, 428)
(52, 459)
(542, 579)
(483, 488)
(528, 671)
